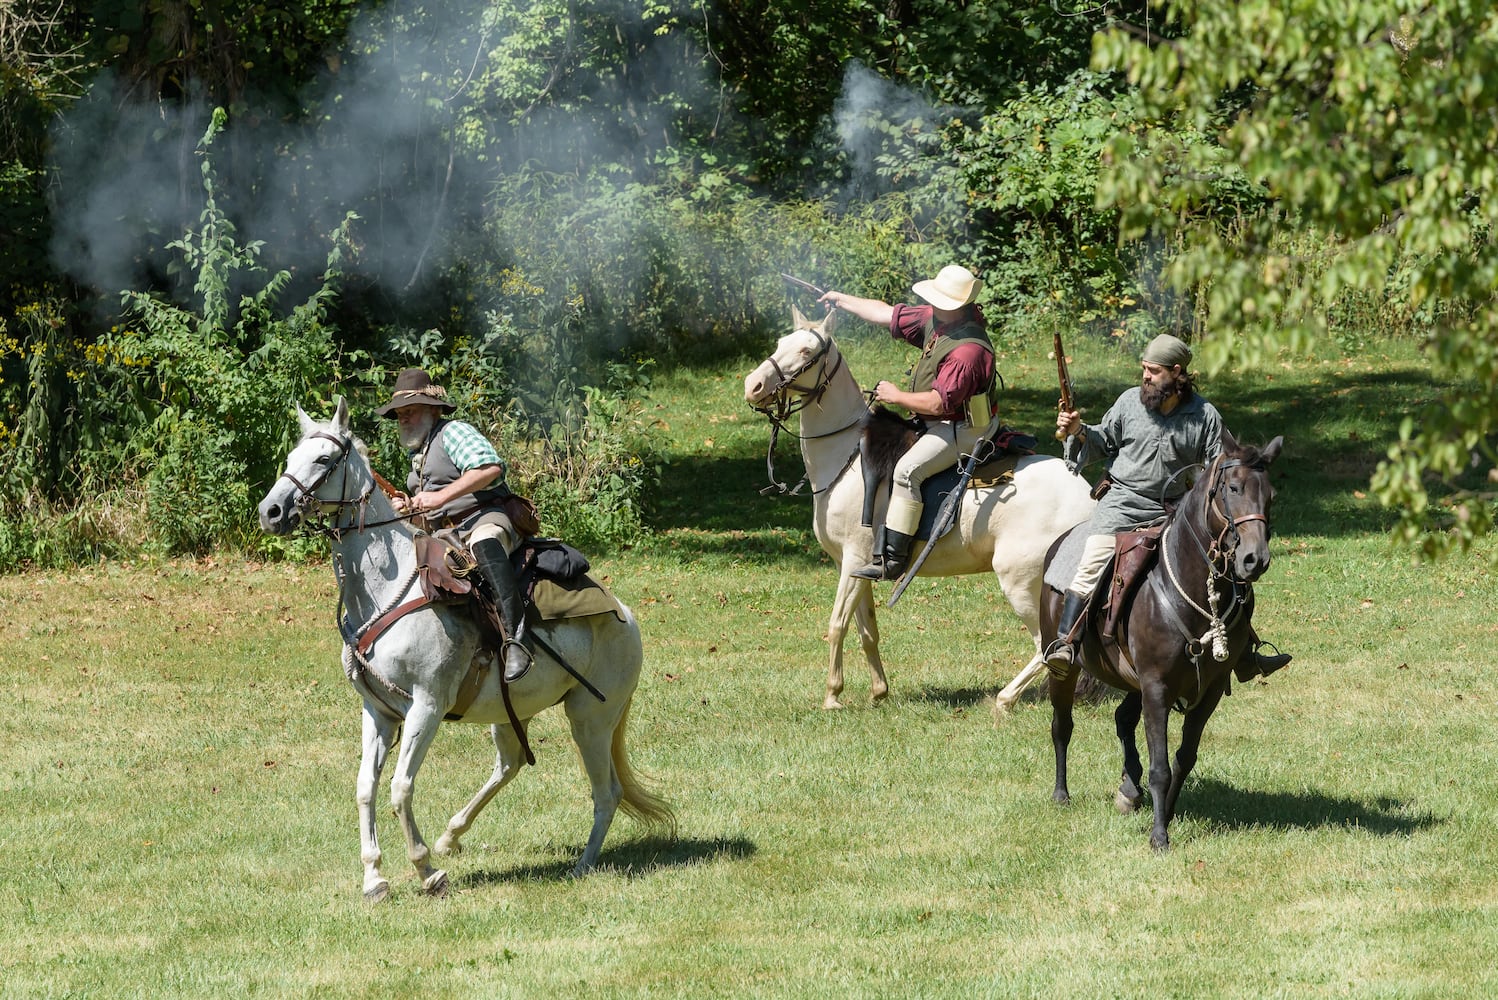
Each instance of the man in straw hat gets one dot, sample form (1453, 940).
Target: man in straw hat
(1150, 437)
(457, 480)
(951, 390)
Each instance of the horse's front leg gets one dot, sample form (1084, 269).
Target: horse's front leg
(1156, 703)
(507, 763)
(1063, 694)
(416, 738)
(1125, 724)
(379, 734)
(1191, 737)
(854, 601)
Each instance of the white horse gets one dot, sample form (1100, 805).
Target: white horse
(1006, 528)
(411, 675)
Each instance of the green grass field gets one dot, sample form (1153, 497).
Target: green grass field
(180, 754)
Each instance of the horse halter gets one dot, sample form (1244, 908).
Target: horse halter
(311, 505)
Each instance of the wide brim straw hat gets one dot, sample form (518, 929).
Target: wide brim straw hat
(953, 287)
(414, 387)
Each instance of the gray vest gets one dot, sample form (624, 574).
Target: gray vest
(432, 468)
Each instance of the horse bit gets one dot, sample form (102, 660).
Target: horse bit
(784, 408)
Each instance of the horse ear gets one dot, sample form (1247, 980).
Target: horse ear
(340, 414)
(798, 321)
(830, 323)
(1271, 451)
(308, 425)
(1229, 443)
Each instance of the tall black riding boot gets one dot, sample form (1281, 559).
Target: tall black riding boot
(901, 522)
(1061, 655)
(497, 570)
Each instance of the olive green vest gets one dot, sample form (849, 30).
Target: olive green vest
(935, 349)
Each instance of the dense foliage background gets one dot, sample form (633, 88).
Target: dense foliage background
(213, 210)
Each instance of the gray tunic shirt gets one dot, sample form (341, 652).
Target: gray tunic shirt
(1149, 457)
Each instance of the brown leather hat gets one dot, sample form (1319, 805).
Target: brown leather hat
(414, 387)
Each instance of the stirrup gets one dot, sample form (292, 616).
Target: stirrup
(511, 675)
(1060, 657)
(873, 571)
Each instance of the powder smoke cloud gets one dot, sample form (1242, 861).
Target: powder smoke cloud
(128, 180)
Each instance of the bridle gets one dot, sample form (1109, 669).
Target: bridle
(778, 407)
(1219, 559)
(1220, 554)
(326, 516)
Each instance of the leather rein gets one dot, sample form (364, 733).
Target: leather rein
(779, 407)
(324, 516)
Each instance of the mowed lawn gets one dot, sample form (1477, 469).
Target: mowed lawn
(180, 752)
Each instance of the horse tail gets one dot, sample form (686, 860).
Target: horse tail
(637, 799)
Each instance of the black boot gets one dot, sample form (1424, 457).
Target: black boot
(1256, 664)
(891, 563)
(1061, 655)
(497, 570)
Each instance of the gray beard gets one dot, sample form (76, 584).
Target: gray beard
(414, 436)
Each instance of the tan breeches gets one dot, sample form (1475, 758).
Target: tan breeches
(1095, 556)
(937, 449)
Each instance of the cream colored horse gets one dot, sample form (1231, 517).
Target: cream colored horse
(1005, 528)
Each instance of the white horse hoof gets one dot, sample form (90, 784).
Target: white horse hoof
(435, 884)
(831, 703)
(377, 893)
(1124, 804)
(447, 847)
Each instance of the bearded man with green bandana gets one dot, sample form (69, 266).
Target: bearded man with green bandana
(1151, 437)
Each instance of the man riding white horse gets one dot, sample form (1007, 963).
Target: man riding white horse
(457, 480)
(951, 389)
(1151, 436)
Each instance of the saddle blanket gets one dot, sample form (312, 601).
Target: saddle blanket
(995, 472)
(1063, 565)
(577, 598)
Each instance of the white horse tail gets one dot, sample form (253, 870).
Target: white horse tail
(635, 797)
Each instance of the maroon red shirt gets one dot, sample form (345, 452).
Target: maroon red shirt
(964, 373)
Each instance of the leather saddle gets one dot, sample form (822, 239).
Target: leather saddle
(1134, 554)
(886, 436)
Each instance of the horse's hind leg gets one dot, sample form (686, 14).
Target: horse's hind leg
(1191, 738)
(379, 734)
(1125, 723)
(507, 763)
(593, 725)
(419, 730)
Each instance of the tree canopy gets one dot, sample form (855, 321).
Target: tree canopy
(1370, 132)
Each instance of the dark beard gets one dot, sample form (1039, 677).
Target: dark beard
(1154, 394)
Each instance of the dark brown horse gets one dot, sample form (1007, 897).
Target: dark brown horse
(1188, 624)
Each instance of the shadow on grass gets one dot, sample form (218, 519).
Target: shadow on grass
(1237, 808)
(633, 859)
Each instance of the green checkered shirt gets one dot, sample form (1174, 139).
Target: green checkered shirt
(467, 447)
